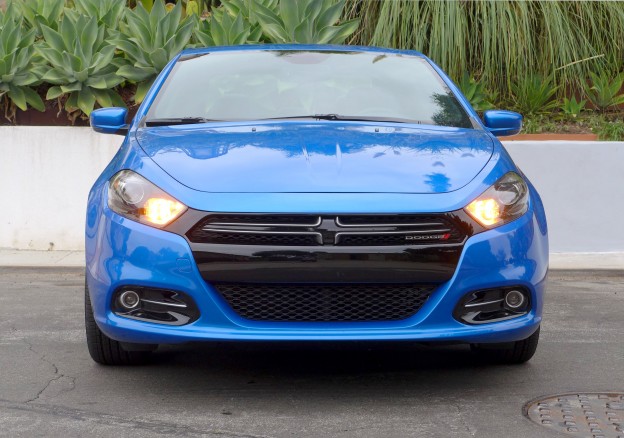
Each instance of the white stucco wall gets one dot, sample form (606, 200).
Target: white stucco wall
(582, 186)
(46, 174)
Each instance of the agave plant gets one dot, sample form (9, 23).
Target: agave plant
(149, 40)
(604, 91)
(222, 29)
(107, 12)
(233, 23)
(41, 12)
(81, 60)
(572, 107)
(304, 21)
(20, 68)
(534, 94)
(246, 8)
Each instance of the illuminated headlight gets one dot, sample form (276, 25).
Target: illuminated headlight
(132, 196)
(506, 200)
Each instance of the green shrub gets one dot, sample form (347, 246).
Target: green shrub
(20, 68)
(604, 91)
(538, 124)
(149, 41)
(81, 59)
(534, 94)
(551, 47)
(611, 130)
(572, 108)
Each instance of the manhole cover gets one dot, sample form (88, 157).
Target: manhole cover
(594, 415)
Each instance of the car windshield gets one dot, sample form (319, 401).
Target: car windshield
(329, 85)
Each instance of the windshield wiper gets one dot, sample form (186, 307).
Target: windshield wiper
(335, 117)
(339, 117)
(178, 121)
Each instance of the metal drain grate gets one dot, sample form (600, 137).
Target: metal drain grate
(594, 415)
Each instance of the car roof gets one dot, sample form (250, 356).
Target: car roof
(310, 47)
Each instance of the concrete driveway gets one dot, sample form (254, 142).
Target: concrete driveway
(50, 387)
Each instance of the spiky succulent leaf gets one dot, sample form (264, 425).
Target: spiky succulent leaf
(572, 107)
(107, 12)
(150, 40)
(81, 60)
(302, 21)
(604, 91)
(41, 12)
(534, 94)
(20, 67)
(223, 29)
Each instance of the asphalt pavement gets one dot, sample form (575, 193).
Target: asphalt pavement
(50, 387)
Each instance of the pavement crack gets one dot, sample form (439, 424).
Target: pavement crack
(55, 377)
(462, 420)
(150, 426)
(42, 390)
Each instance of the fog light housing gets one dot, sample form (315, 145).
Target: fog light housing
(129, 299)
(493, 305)
(514, 299)
(155, 305)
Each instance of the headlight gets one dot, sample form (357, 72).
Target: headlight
(506, 200)
(134, 197)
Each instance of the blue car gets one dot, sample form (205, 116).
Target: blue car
(311, 193)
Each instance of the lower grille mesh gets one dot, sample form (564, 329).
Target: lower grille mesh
(325, 302)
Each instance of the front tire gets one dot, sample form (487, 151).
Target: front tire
(516, 353)
(104, 350)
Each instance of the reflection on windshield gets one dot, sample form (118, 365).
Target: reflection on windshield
(263, 84)
(448, 112)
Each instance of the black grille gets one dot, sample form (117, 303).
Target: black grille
(253, 219)
(258, 229)
(325, 302)
(364, 230)
(377, 239)
(397, 219)
(329, 230)
(254, 239)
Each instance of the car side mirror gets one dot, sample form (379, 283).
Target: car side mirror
(109, 121)
(502, 123)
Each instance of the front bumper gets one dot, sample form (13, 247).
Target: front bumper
(121, 252)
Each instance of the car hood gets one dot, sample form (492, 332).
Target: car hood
(318, 157)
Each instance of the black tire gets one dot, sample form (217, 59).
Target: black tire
(516, 353)
(104, 350)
